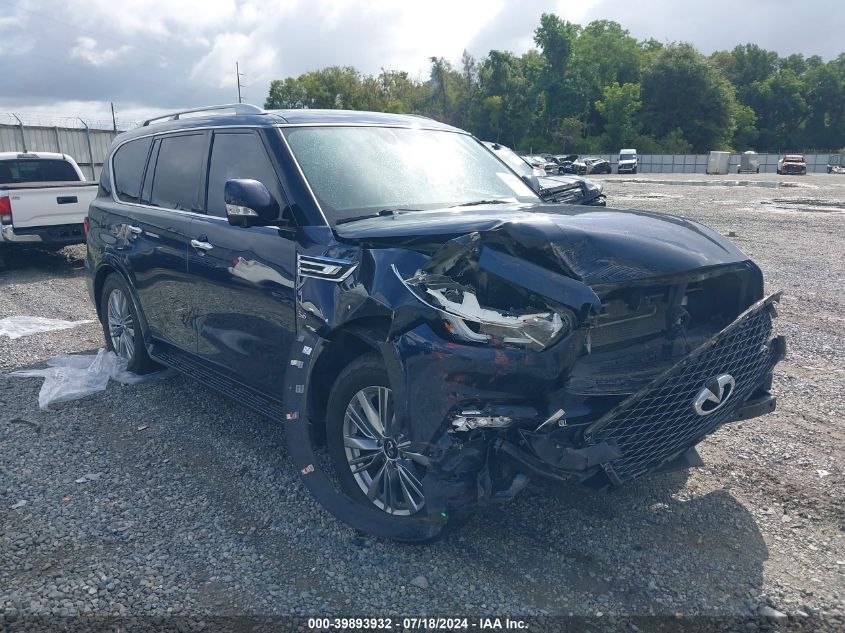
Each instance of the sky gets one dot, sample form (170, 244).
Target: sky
(61, 59)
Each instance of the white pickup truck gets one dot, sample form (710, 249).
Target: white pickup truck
(44, 199)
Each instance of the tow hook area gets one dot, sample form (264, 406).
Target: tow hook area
(558, 461)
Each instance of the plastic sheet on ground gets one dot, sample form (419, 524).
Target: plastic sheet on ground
(70, 377)
(18, 326)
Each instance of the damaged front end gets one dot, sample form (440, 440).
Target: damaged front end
(512, 355)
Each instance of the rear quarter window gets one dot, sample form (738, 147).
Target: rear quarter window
(128, 168)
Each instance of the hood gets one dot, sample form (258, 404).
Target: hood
(627, 161)
(553, 182)
(593, 246)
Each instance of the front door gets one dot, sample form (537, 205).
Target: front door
(243, 296)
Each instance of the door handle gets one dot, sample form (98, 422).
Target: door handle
(201, 246)
(137, 230)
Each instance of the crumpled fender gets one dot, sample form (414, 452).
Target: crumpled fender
(372, 293)
(298, 435)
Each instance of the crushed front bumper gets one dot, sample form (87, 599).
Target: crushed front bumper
(658, 424)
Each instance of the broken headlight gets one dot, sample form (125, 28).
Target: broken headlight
(465, 319)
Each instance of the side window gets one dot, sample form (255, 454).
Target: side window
(177, 172)
(129, 161)
(148, 178)
(238, 155)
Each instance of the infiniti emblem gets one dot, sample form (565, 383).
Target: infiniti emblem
(714, 395)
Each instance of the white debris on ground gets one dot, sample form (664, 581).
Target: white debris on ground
(70, 377)
(18, 326)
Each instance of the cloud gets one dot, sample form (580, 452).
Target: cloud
(166, 54)
(86, 49)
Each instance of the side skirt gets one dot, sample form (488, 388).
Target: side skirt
(199, 371)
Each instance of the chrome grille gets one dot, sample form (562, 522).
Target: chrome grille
(658, 423)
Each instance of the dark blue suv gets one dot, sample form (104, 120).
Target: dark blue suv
(430, 332)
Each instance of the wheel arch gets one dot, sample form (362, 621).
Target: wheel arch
(100, 277)
(344, 345)
(103, 272)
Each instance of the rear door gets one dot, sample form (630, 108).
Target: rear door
(244, 277)
(157, 219)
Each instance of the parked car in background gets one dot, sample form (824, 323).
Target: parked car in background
(568, 189)
(836, 164)
(749, 163)
(591, 165)
(628, 162)
(792, 164)
(419, 310)
(564, 162)
(548, 165)
(43, 201)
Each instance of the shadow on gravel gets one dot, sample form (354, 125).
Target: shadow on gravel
(68, 261)
(640, 548)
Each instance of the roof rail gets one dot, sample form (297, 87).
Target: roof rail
(237, 108)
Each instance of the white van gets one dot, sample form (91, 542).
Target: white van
(627, 161)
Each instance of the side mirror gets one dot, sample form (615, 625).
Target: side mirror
(249, 203)
(533, 182)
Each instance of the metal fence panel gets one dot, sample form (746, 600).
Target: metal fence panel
(697, 163)
(64, 140)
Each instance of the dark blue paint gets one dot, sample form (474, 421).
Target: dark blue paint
(241, 310)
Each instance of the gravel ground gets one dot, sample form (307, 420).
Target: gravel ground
(169, 499)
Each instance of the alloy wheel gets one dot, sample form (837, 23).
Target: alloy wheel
(120, 324)
(379, 455)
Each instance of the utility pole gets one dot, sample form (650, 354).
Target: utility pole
(238, 75)
(113, 119)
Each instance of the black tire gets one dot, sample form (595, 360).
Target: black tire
(138, 361)
(634, 170)
(367, 372)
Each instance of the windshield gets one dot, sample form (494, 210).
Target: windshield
(514, 161)
(359, 171)
(628, 156)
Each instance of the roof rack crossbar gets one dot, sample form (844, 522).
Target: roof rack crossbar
(237, 108)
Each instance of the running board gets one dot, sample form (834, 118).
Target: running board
(218, 381)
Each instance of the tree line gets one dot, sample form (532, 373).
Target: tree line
(595, 88)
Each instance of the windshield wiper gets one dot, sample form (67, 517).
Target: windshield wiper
(380, 214)
(477, 202)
